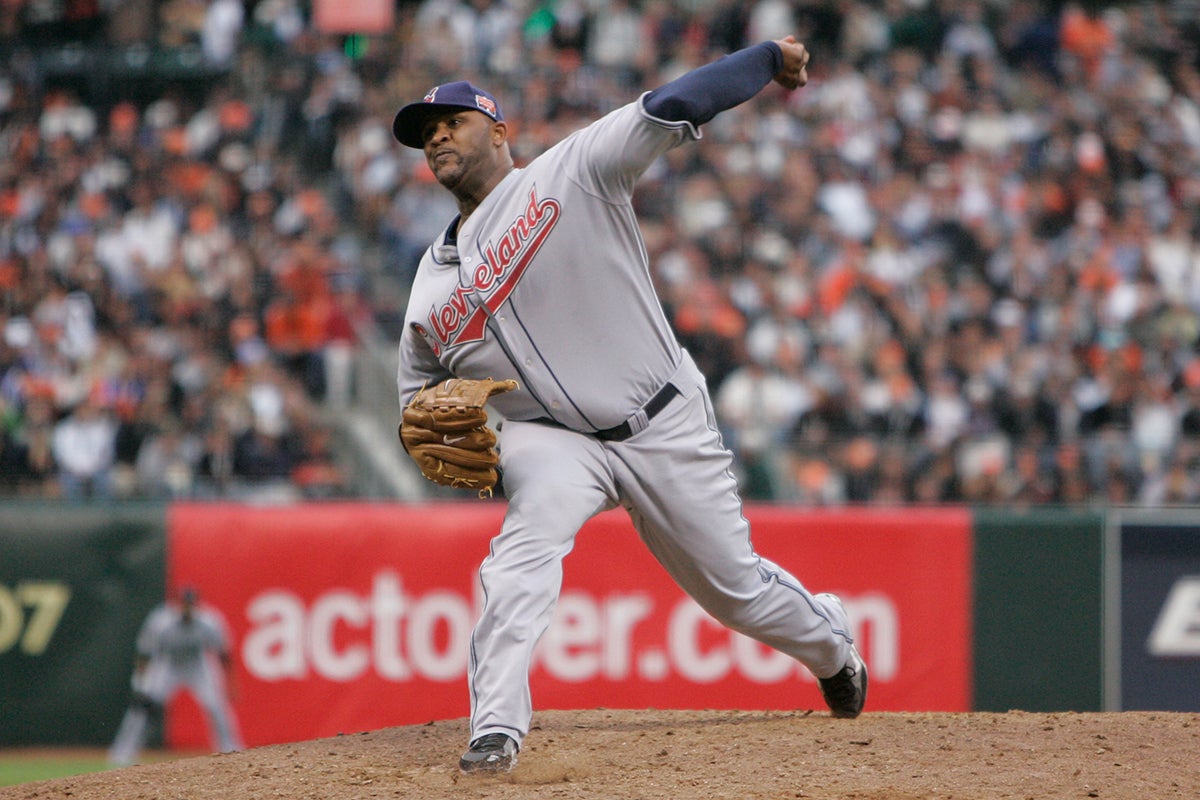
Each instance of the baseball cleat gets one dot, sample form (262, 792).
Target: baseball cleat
(846, 692)
(494, 752)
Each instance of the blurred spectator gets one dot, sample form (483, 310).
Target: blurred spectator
(262, 453)
(347, 313)
(137, 422)
(1086, 36)
(83, 447)
(964, 261)
(616, 42)
(37, 474)
(297, 332)
(758, 406)
(221, 31)
(214, 475)
(1029, 482)
(167, 462)
(316, 471)
(181, 22)
(130, 21)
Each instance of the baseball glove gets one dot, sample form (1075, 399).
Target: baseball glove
(444, 429)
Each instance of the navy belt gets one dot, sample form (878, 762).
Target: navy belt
(657, 403)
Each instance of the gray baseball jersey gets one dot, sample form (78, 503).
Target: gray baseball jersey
(547, 282)
(165, 637)
(541, 286)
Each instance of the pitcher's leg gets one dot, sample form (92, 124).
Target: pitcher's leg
(555, 480)
(690, 517)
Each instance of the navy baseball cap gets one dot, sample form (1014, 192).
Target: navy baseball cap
(438, 100)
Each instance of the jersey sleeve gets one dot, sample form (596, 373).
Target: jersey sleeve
(419, 353)
(151, 631)
(701, 94)
(418, 364)
(216, 632)
(607, 157)
(610, 155)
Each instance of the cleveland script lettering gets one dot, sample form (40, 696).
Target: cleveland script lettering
(504, 263)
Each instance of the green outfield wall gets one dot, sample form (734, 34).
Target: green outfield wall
(75, 585)
(1039, 605)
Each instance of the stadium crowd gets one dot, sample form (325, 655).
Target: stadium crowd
(962, 265)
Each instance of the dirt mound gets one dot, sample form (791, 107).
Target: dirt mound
(714, 755)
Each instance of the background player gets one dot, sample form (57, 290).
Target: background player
(182, 645)
(543, 277)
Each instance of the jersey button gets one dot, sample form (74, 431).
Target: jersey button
(529, 362)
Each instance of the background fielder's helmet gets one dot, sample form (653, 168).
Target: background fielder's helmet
(460, 94)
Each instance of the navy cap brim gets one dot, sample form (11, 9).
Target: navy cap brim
(410, 120)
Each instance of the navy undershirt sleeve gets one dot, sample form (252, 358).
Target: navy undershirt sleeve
(703, 93)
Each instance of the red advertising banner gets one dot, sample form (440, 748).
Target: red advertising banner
(348, 618)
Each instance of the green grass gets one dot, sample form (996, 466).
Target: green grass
(26, 764)
(23, 766)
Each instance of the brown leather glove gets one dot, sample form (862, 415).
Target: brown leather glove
(444, 429)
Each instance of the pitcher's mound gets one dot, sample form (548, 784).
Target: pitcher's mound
(709, 755)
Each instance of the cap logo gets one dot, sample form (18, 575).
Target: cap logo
(486, 105)
(429, 98)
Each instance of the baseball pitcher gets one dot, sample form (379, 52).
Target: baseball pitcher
(537, 299)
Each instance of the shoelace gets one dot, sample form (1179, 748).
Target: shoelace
(493, 741)
(840, 688)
